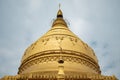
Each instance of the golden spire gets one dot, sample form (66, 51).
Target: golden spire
(59, 20)
(59, 5)
(59, 14)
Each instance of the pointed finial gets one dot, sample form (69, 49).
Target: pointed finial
(59, 14)
(59, 5)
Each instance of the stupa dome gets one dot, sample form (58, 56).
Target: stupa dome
(59, 42)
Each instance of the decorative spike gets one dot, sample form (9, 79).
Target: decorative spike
(59, 14)
(59, 5)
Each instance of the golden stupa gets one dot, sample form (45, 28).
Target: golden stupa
(59, 55)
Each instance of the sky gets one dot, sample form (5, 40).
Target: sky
(96, 22)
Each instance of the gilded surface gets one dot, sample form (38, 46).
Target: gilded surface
(43, 55)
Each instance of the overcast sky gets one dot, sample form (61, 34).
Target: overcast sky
(96, 22)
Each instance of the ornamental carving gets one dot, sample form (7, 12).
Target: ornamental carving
(55, 56)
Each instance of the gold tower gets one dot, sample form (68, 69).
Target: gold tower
(59, 55)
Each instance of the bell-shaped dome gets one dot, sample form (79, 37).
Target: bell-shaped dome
(43, 55)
